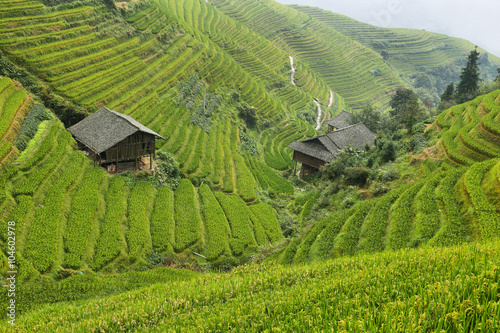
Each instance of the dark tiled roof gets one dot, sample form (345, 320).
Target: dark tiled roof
(357, 136)
(105, 128)
(326, 147)
(312, 148)
(343, 119)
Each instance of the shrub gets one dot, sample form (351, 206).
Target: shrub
(356, 176)
(30, 125)
(418, 128)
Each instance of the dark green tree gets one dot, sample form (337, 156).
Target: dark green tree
(449, 93)
(368, 116)
(405, 108)
(469, 79)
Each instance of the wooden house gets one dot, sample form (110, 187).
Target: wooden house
(108, 136)
(314, 153)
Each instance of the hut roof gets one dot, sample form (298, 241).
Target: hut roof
(312, 148)
(343, 119)
(105, 128)
(326, 147)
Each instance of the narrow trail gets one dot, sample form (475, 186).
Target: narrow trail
(292, 75)
(318, 120)
(331, 99)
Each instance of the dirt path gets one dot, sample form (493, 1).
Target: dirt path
(320, 114)
(331, 99)
(292, 75)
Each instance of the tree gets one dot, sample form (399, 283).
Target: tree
(405, 108)
(368, 116)
(469, 79)
(248, 114)
(449, 93)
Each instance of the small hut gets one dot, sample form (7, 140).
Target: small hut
(314, 153)
(342, 120)
(108, 137)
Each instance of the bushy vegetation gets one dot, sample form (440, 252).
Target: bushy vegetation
(30, 125)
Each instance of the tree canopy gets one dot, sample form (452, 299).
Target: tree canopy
(405, 107)
(449, 93)
(469, 79)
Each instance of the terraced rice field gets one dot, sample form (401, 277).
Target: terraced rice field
(76, 216)
(408, 51)
(339, 61)
(101, 63)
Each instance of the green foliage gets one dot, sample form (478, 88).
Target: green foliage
(216, 225)
(348, 237)
(238, 215)
(309, 205)
(245, 183)
(418, 142)
(418, 128)
(369, 117)
(469, 79)
(167, 172)
(308, 114)
(9, 109)
(268, 179)
(303, 250)
(326, 239)
(266, 215)
(454, 227)
(488, 218)
(248, 114)
(110, 230)
(449, 93)
(192, 93)
(248, 143)
(162, 220)
(138, 234)
(30, 125)
(82, 217)
(309, 297)
(345, 158)
(43, 238)
(401, 219)
(290, 251)
(28, 185)
(405, 107)
(80, 287)
(186, 215)
(427, 219)
(258, 229)
(374, 230)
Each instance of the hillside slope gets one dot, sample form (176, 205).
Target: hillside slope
(453, 200)
(425, 60)
(71, 215)
(346, 65)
